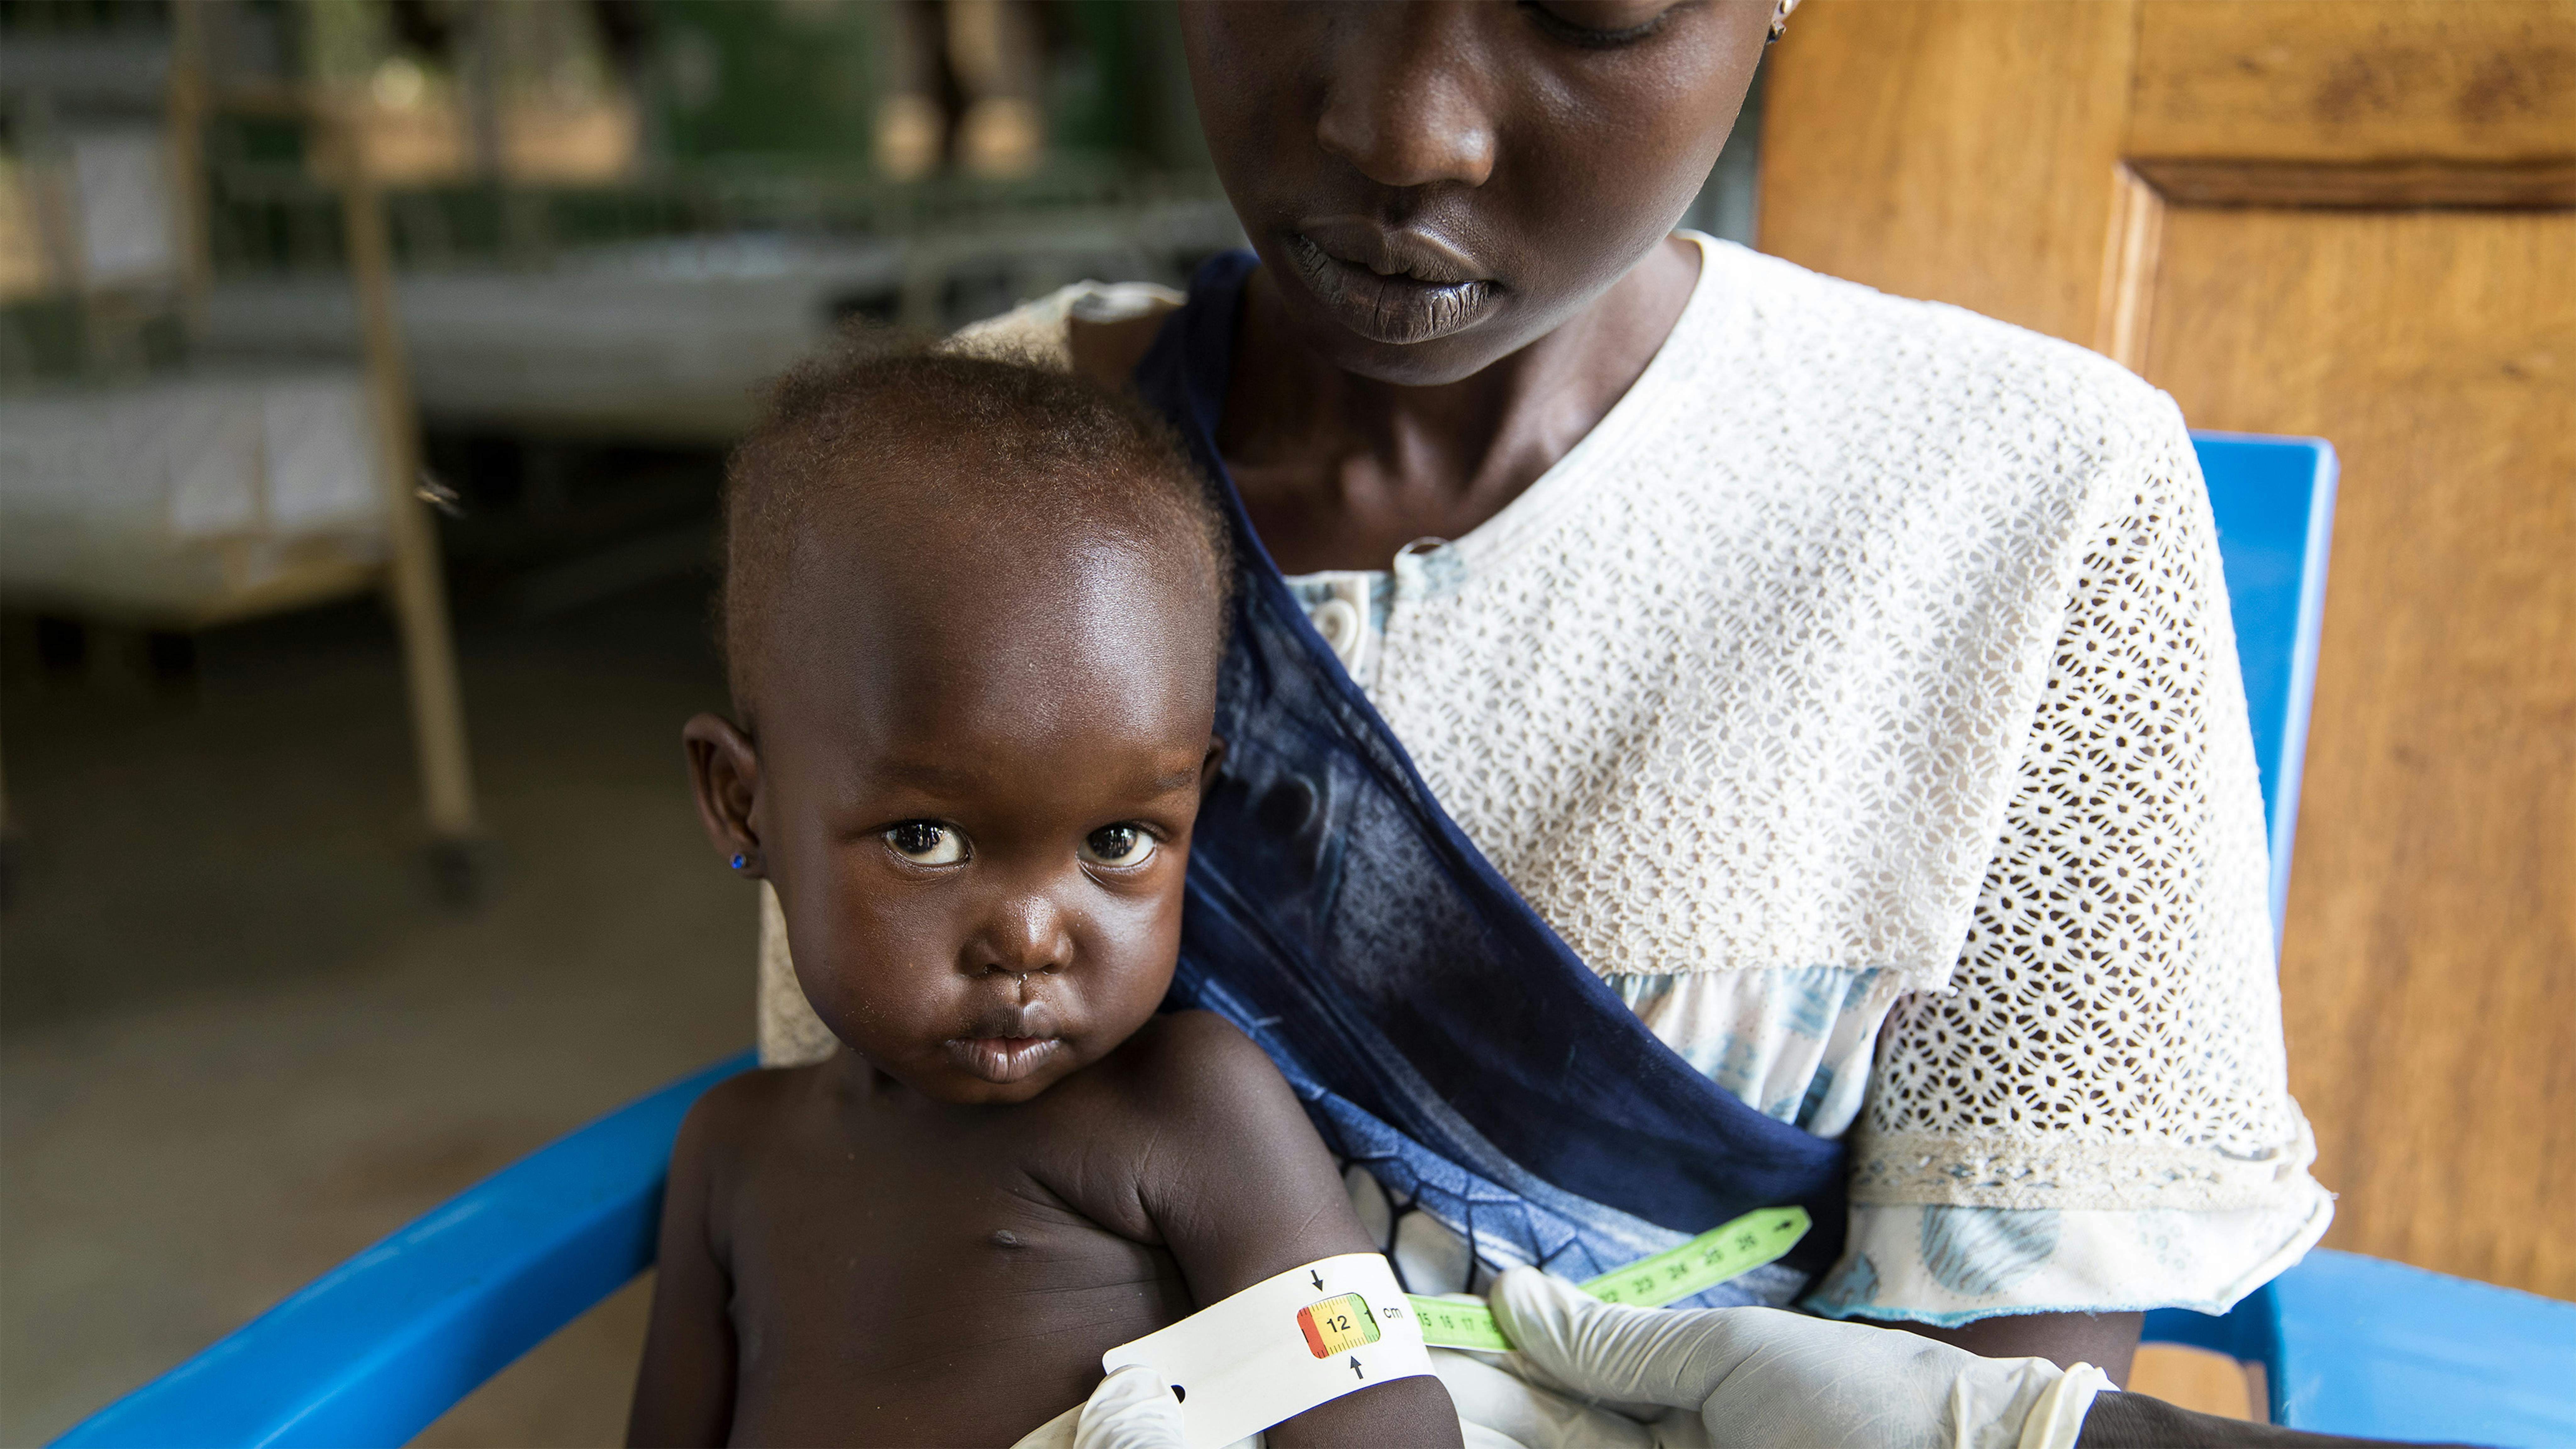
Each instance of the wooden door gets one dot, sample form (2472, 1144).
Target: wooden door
(2355, 219)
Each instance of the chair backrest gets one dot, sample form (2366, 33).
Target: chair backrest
(2274, 500)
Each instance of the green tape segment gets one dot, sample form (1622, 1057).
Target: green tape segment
(1447, 1323)
(1705, 1261)
(1676, 1273)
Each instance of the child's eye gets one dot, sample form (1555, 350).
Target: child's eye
(1118, 845)
(924, 843)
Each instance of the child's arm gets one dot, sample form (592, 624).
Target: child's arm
(1242, 1189)
(684, 1390)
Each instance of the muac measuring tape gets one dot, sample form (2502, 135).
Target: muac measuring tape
(1702, 1263)
(1337, 1325)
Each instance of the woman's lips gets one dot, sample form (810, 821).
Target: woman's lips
(1001, 1060)
(1422, 292)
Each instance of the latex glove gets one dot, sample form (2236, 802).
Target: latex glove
(1132, 1409)
(1764, 1376)
(1501, 1409)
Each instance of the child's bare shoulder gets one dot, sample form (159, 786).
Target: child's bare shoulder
(1190, 1091)
(1185, 1064)
(753, 1100)
(742, 1117)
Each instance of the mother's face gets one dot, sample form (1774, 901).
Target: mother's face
(1435, 185)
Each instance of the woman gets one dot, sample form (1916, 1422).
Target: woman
(1847, 681)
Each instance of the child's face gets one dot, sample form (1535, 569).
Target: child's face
(974, 791)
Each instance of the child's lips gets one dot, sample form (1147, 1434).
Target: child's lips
(1002, 1060)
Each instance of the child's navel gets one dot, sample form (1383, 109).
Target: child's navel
(1005, 1238)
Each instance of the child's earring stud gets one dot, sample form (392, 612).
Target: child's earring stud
(740, 860)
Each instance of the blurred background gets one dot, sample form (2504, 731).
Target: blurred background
(366, 371)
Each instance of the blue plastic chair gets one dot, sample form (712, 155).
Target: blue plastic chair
(373, 1352)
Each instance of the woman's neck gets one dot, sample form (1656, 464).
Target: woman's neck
(1339, 472)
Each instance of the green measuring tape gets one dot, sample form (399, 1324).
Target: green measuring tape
(1676, 1273)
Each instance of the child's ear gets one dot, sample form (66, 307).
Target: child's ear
(724, 771)
(1215, 759)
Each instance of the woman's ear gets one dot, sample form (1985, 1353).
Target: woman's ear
(724, 772)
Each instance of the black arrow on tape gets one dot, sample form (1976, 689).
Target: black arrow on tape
(1318, 1277)
(1355, 1368)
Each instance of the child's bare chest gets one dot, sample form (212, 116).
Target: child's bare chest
(910, 1290)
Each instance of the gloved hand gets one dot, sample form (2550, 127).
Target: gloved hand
(1132, 1409)
(1764, 1376)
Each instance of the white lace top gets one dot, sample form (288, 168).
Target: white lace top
(1860, 699)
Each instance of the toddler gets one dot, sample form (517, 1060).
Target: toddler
(972, 617)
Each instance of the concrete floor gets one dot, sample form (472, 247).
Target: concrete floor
(241, 1037)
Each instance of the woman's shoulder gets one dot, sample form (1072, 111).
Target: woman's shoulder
(1896, 365)
(1099, 329)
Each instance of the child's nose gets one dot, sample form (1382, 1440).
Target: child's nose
(1024, 936)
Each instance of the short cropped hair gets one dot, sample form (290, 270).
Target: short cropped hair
(1020, 447)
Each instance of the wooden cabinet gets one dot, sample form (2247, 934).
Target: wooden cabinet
(2354, 219)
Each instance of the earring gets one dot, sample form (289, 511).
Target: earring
(1780, 18)
(740, 860)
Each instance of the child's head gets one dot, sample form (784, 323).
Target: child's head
(972, 616)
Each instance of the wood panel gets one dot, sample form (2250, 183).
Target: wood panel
(2545, 184)
(1908, 98)
(2355, 80)
(2429, 969)
(2195, 1378)
(2348, 218)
